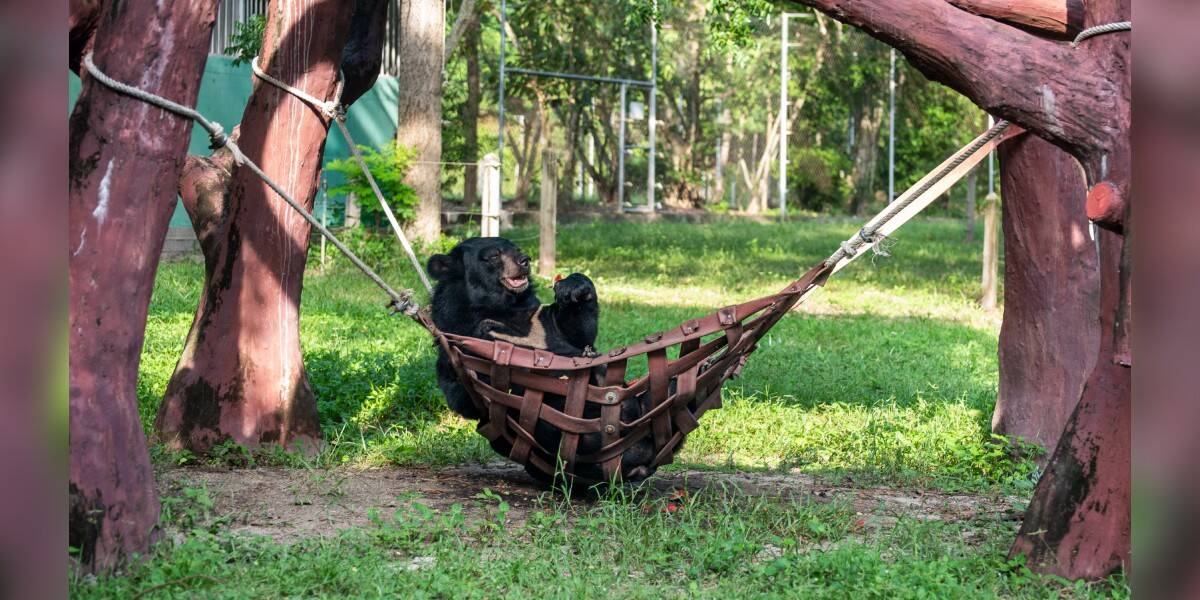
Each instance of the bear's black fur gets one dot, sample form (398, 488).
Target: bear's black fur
(484, 290)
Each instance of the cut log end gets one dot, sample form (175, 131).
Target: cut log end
(1106, 206)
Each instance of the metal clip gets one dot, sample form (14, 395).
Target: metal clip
(502, 353)
(727, 316)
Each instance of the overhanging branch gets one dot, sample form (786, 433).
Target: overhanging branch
(1062, 94)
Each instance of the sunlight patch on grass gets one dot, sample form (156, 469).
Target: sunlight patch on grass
(923, 442)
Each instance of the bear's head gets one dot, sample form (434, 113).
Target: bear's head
(494, 271)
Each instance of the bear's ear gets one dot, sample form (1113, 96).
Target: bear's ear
(443, 267)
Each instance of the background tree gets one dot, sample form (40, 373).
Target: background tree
(124, 159)
(241, 376)
(420, 56)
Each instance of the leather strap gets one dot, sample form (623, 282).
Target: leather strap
(491, 370)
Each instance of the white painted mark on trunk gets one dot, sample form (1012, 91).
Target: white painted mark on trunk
(101, 211)
(82, 239)
(1049, 105)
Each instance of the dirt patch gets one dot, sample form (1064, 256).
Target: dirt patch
(290, 504)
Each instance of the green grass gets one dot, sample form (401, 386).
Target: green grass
(888, 375)
(716, 545)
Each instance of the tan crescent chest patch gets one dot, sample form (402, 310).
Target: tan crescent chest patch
(536, 338)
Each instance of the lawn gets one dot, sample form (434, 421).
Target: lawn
(886, 378)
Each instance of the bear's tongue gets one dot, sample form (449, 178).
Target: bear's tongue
(516, 283)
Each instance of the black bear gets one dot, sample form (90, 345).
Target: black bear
(484, 290)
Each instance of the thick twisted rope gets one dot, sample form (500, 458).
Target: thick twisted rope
(400, 301)
(216, 134)
(330, 109)
(1101, 29)
(868, 234)
(334, 111)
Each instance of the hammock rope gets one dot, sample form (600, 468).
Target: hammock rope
(399, 302)
(515, 388)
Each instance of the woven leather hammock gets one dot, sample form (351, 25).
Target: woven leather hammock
(681, 389)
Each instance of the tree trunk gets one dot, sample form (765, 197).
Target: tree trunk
(723, 144)
(470, 115)
(1051, 289)
(422, 42)
(1078, 98)
(525, 152)
(1077, 524)
(124, 159)
(866, 153)
(241, 375)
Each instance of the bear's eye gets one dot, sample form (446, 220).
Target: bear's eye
(491, 256)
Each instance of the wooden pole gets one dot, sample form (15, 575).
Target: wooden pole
(970, 224)
(490, 221)
(991, 256)
(548, 216)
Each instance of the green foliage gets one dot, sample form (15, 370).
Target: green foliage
(815, 177)
(388, 166)
(191, 508)
(247, 39)
(735, 22)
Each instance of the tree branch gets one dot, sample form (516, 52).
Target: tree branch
(1062, 18)
(466, 17)
(1063, 94)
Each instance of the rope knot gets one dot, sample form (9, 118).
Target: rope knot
(333, 110)
(217, 138)
(848, 249)
(404, 306)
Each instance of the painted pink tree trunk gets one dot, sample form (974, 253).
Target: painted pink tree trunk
(241, 375)
(125, 157)
(1079, 99)
(1078, 522)
(1050, 332)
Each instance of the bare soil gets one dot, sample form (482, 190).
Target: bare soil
(291, 504)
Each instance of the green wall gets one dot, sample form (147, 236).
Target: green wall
(224, 90)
